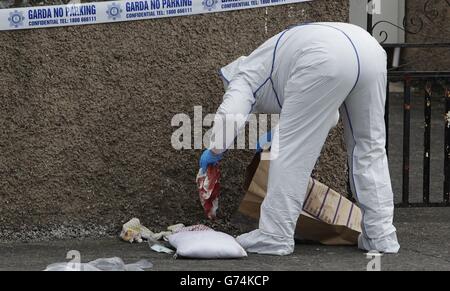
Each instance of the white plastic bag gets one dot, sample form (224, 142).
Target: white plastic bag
(207, 244)
(139, 266)
(103, 264)
(109, 264)
(71, 267)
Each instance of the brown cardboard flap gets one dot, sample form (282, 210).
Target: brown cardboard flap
(309, 228)
(328, 217)
(250, 171)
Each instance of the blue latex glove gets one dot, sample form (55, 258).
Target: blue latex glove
(263, 140)
(209, 158)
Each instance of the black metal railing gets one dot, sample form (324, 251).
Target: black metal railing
(432, 84)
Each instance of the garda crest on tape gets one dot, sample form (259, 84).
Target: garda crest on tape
(114, 11)
(209, 4)
(16, 19)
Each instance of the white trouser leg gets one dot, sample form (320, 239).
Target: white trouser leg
(365, 135)
(313, 95)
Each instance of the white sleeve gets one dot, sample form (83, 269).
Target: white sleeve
(239, 98)
(232, 114)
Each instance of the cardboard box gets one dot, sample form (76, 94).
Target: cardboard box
(328, 217)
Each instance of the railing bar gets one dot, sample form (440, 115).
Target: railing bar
(447, 148)
(427, 143)
(406, 139)
(416, 45)
(421, 205)
(419, 74)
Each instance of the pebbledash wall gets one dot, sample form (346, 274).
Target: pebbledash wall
(85, 120)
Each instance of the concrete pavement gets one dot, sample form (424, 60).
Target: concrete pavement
(423, 233)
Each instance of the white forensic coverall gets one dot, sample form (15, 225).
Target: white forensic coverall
(308, 73)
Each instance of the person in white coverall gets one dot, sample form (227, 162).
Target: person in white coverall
(309, 73)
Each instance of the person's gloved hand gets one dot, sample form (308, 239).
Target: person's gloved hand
(263, 140)
(209, 158)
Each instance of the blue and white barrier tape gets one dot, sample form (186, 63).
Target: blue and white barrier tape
(116, 11)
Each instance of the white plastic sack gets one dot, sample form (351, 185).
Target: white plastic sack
(207, 244)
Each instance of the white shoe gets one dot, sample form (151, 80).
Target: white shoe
(388, 244)
(261, 243)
